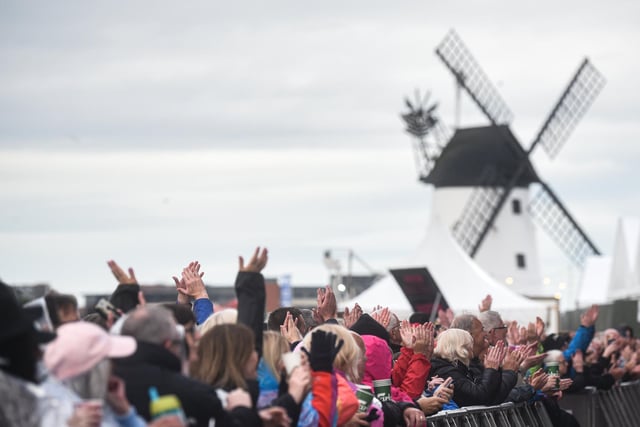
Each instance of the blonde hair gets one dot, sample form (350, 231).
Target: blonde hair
(349, 355)
(223, 353)
(454, 345)
(228, 315)
(274, 345)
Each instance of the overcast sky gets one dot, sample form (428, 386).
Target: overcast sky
(155, 132)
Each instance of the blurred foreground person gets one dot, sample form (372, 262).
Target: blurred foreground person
(157, 362)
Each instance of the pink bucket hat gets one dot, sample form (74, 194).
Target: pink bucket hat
(80, 346)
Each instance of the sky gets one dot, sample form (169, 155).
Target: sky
(155, 133)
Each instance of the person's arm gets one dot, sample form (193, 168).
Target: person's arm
(508, 376)
(482, 391)
(190, 286)
(126, 296)
(326, 310)
(130, 419)
(584, 334)
(297, 386)
(418, 367)
(251, 294)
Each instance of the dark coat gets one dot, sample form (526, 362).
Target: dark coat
(508, 380)
(468, 390)
(154, 366)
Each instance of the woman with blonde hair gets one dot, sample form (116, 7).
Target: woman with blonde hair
(451, 358)
(271, 372)
(226, 357)
(346, 358)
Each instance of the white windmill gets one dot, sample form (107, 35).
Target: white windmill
(484, 179)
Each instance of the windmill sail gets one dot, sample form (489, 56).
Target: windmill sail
(584, 87)
(476, 214)
(472, 78)
(587, 83)
(553, 217)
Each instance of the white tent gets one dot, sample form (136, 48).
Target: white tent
(462, 282)
(595, 276)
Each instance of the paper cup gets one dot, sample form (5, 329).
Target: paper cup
(364, 395)
(382, 389)
(291, 361)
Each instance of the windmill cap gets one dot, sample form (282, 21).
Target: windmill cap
(80, 346)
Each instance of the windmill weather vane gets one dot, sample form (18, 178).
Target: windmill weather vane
(493, 167)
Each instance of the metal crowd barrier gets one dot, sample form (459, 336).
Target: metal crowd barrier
(507, 414)
(619, 406)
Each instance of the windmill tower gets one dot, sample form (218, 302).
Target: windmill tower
(484, 179)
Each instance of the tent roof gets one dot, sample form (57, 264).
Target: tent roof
(462, 282)
(595, 276)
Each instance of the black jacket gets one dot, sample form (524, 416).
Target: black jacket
(508, 380)
(468, 390)
(154, 366)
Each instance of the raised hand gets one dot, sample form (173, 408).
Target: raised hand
(299, 383)
(122, 277)
(407, 334)
(523, 336)
(445, 318)
(540, 328)
(590, 316)
(493, 358)
(351, 316)
(532, 360)
(382, 316)
(424, 339)
(532, 335)
(257, 262)
(289, 330)
(325, 346)
(485, 304)
(513, 360)
(327, 306)
(513, 333)
(192, 279)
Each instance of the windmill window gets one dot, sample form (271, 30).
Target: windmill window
(520, 261)
(516, 207)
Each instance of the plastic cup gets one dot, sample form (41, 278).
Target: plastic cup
(365, 397)
(382, 389)
(553, 369)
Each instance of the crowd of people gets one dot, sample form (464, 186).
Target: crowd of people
(134, 364)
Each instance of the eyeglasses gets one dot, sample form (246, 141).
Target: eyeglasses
(500, 327)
